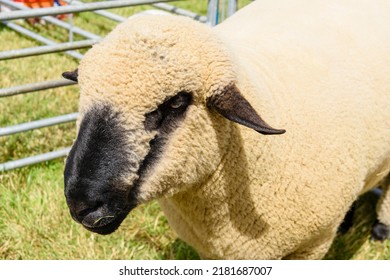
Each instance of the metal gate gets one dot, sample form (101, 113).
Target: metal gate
(217, 11)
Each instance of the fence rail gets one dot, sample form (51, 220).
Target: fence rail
(33, 160)
(37, 37)
(182, 12)
(23, 12)
(111, 16)
(34, 87)
(75, 8)
(9, 130)
(50, 19)
(47, 49)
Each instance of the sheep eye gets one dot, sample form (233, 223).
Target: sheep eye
(181, 100)
(169, 112)
(176, 104)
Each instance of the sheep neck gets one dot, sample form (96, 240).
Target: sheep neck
(217, 208)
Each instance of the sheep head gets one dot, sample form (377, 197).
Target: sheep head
(156, 98)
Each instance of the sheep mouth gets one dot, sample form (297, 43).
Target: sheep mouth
(103, 224)
(104, 221)
(105, 229)
(106, 217)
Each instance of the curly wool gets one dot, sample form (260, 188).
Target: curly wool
(324, 72)
(319, 69)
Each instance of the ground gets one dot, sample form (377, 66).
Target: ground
(34, 219)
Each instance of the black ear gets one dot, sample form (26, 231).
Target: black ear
(233, 106)
(71, 75)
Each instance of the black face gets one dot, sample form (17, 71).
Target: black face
(94, 192)
(164, 119)
(96, 195)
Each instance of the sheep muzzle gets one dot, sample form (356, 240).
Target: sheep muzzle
(96, 192)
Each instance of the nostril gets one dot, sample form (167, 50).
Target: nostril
(82, 210)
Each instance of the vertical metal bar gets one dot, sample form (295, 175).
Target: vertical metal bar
(71, 29)
(232, 7)
(223, 10)
(212, 12)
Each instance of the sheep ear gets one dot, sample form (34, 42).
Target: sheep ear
(71, 75)
(233, 106)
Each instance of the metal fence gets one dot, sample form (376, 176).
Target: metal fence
(217, 11)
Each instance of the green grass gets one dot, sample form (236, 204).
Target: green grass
(356, 243)
(35, 224)
(34, 218)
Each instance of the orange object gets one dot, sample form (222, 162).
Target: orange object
(38, 3)
(42, 4)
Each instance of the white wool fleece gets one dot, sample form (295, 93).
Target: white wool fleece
(319, 69)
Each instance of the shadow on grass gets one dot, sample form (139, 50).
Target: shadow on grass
(346, 245)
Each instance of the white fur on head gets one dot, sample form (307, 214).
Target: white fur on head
(145, 61)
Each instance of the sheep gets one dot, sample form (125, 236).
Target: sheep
(170, 111)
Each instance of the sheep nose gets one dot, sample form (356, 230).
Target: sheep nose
(86, 204)
(80, 209)
(79, 202)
